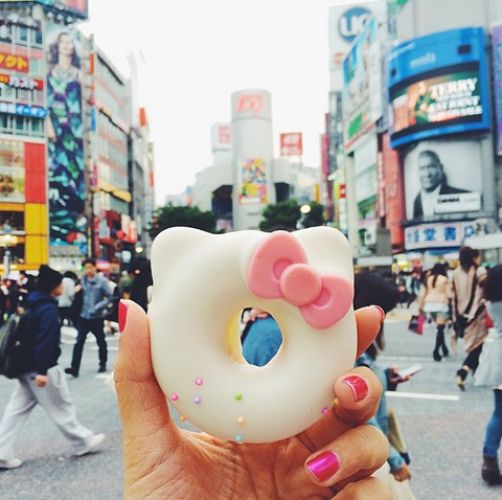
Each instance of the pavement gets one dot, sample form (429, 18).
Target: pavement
(443, 427)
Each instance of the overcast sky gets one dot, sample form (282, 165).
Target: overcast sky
(197, 52)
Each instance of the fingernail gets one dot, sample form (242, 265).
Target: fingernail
(358, 386)
(324, 466)
(122, 315)
(381, 311)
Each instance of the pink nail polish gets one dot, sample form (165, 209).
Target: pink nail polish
(381, 311)
(122, 315)
(358, 386)
(324, 466)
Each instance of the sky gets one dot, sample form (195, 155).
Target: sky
(194, 53)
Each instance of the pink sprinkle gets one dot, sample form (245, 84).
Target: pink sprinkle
(197, 400)
(325, 411)
(199, 381)
(174, 397)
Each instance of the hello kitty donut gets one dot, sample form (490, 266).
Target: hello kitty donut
(202, 282)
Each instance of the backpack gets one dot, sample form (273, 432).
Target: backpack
(15, 345)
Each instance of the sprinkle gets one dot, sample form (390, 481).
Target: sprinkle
(199, 381)
(182, 418)
(336, 402)
(241, 420)
(239, 438)
(325, 411)
(238, 396)
(197, 400)
(174, 397)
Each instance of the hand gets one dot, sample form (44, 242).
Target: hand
(162, 460)
(395, 378)
(402, 473)
(41, 380)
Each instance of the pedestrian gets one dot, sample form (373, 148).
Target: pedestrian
(492, 289)
(413, 285)
(142, 282)
(44, 383)
(468, 310)
(95, 299)
(435, 302)
(65, 300)
(371, 289)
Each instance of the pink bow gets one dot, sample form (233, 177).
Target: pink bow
(279, 269)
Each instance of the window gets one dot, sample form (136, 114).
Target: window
(20, 123)
(37, 127)
(36, 66)
(8, 93)
(36, 37)
(22, 34)
(23, 96)
(38, 97)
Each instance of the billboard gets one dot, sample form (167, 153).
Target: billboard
(346, 22)
(12, 172)
(78, 8)
(253, 182)
(67, 185)
(497, 82)
(362, 84)
(14, 62)
(221, 137)
(438, 235)
(443, 177)
(292, 144)
(438, 86)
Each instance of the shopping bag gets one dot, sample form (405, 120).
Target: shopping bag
(416, 324)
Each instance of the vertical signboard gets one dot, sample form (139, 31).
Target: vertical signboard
(12, 171)
(67, 187)
(291, 144)
(497, 77)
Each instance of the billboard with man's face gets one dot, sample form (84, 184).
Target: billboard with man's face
(443, 178)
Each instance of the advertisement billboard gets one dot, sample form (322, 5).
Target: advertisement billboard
(14, 62)
(221, 137)
(292, 144)
(12, 171)
(442, 177)
(253, 182)
(497, 82)
(346, 22)
(67, 186)
(362, 84)
(77, 8)
(438, 85)
(438, 235)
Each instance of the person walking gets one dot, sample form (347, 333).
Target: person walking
(468, 310)
(95, 298)
(44, 382)
(65, 300)
(490, 373)
(435, 301)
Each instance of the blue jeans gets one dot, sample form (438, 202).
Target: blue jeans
(494, 428)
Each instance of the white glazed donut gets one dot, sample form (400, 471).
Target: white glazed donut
(202, 282)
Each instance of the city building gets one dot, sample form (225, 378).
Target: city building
(245, 176)
(72, 155)
(423, 179)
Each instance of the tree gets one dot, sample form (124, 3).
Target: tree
(172, 216)
(287, 214)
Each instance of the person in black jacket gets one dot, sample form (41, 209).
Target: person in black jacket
(44, 382)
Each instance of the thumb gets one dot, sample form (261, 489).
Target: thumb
(148, 430)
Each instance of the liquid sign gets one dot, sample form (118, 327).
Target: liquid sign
(352, 22)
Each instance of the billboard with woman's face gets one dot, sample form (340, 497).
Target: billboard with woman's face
(67, 187)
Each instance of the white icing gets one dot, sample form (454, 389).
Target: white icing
(199, 286)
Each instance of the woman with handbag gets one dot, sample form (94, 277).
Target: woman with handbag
(469, 310)
(490, 373)
(435, 302)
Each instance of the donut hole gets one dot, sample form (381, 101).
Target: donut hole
(261, 336)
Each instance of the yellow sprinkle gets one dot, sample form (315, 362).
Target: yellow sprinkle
(182, 418)
(241, 420)
(336, 402)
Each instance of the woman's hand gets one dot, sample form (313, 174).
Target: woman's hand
(332, 459)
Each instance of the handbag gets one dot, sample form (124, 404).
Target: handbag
(461, 320)
(416, 324)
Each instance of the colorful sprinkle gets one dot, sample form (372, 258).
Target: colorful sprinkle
(199, 381)
(174, 397)
(241, 420)
(239, 438)
(182, 418)
(325, 411)
(238, 396)
(336, 402)
(197, 400)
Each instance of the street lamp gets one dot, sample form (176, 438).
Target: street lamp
(304, 210)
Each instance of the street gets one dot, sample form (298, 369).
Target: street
(444, 429)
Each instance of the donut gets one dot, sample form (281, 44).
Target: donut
(202, 282)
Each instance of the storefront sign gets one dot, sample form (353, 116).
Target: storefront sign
(292, 144)
(438, 235)
(438, 85)
(21, 82)
(14, 62)
(22, 110)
